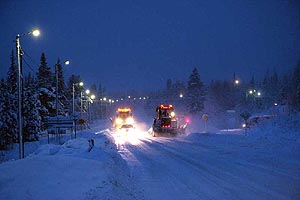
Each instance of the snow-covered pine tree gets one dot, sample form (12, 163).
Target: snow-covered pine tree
(3, 97)
(11, 101)
(44, 76)
(31, 107)
(195, 93)
(64, 102)
(221, 95)
(9, 106)
(46, 95)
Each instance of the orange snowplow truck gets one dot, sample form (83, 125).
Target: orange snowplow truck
(166, 121)
(123, 116)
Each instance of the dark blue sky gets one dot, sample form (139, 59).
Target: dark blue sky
(140, 44)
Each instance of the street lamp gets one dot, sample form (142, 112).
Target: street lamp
(19, 55)
(73, 89)
(73, 103)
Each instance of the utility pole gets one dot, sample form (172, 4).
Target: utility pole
(20, 126)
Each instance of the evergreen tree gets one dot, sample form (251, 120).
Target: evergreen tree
(12, 76)
(44, 76)
(32, 105)
(4, 135)
(221, 93)
(11, 100)
(295, 98)
(195, 93)
(46, 94)
(61, 80)
(63, 99)
(73, 80)
(178, 88)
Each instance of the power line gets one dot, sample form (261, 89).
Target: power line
(28, 65)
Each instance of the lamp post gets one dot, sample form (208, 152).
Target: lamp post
(73, 89)
(19, 54)
(73, 103)
(91, 100)
(56, 96)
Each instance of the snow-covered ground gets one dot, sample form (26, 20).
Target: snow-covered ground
(217, 164)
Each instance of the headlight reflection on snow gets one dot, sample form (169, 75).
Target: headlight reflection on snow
(131, 136)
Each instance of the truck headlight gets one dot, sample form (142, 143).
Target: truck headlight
(129, 121)
(172, 114)
(118, 121)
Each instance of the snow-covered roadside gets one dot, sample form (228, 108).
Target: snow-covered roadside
(262, 164)
(69, 171)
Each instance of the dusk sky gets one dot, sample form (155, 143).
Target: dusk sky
(140, 44)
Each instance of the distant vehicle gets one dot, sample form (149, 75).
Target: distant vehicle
(123, 116)
(256, 120)
(166, 121)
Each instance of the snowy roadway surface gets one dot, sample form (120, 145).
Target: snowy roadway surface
(137, 166)
(210, 166)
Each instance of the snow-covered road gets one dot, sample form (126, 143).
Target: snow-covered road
(220, 165)
(209, 166)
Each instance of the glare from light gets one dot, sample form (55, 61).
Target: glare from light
(119, 121)
(133, 136)
(87, 91)
(172, 114)
(104, 99)
(67, 62)
(244, 125)
(129, 120)
(93, 96)
(181, 95)
(81, 84)
(36, 33)
(236, 82)
(258, 94)
(250, 92)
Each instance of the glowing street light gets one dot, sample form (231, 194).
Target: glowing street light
(87, 91)
(36, 33)
(73, 91)
(19, 54)
(181, 95)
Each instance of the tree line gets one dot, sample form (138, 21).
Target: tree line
(220, 96)
(38, 99)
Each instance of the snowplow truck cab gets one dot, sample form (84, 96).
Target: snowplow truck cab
(166, 121)
(123, 116)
